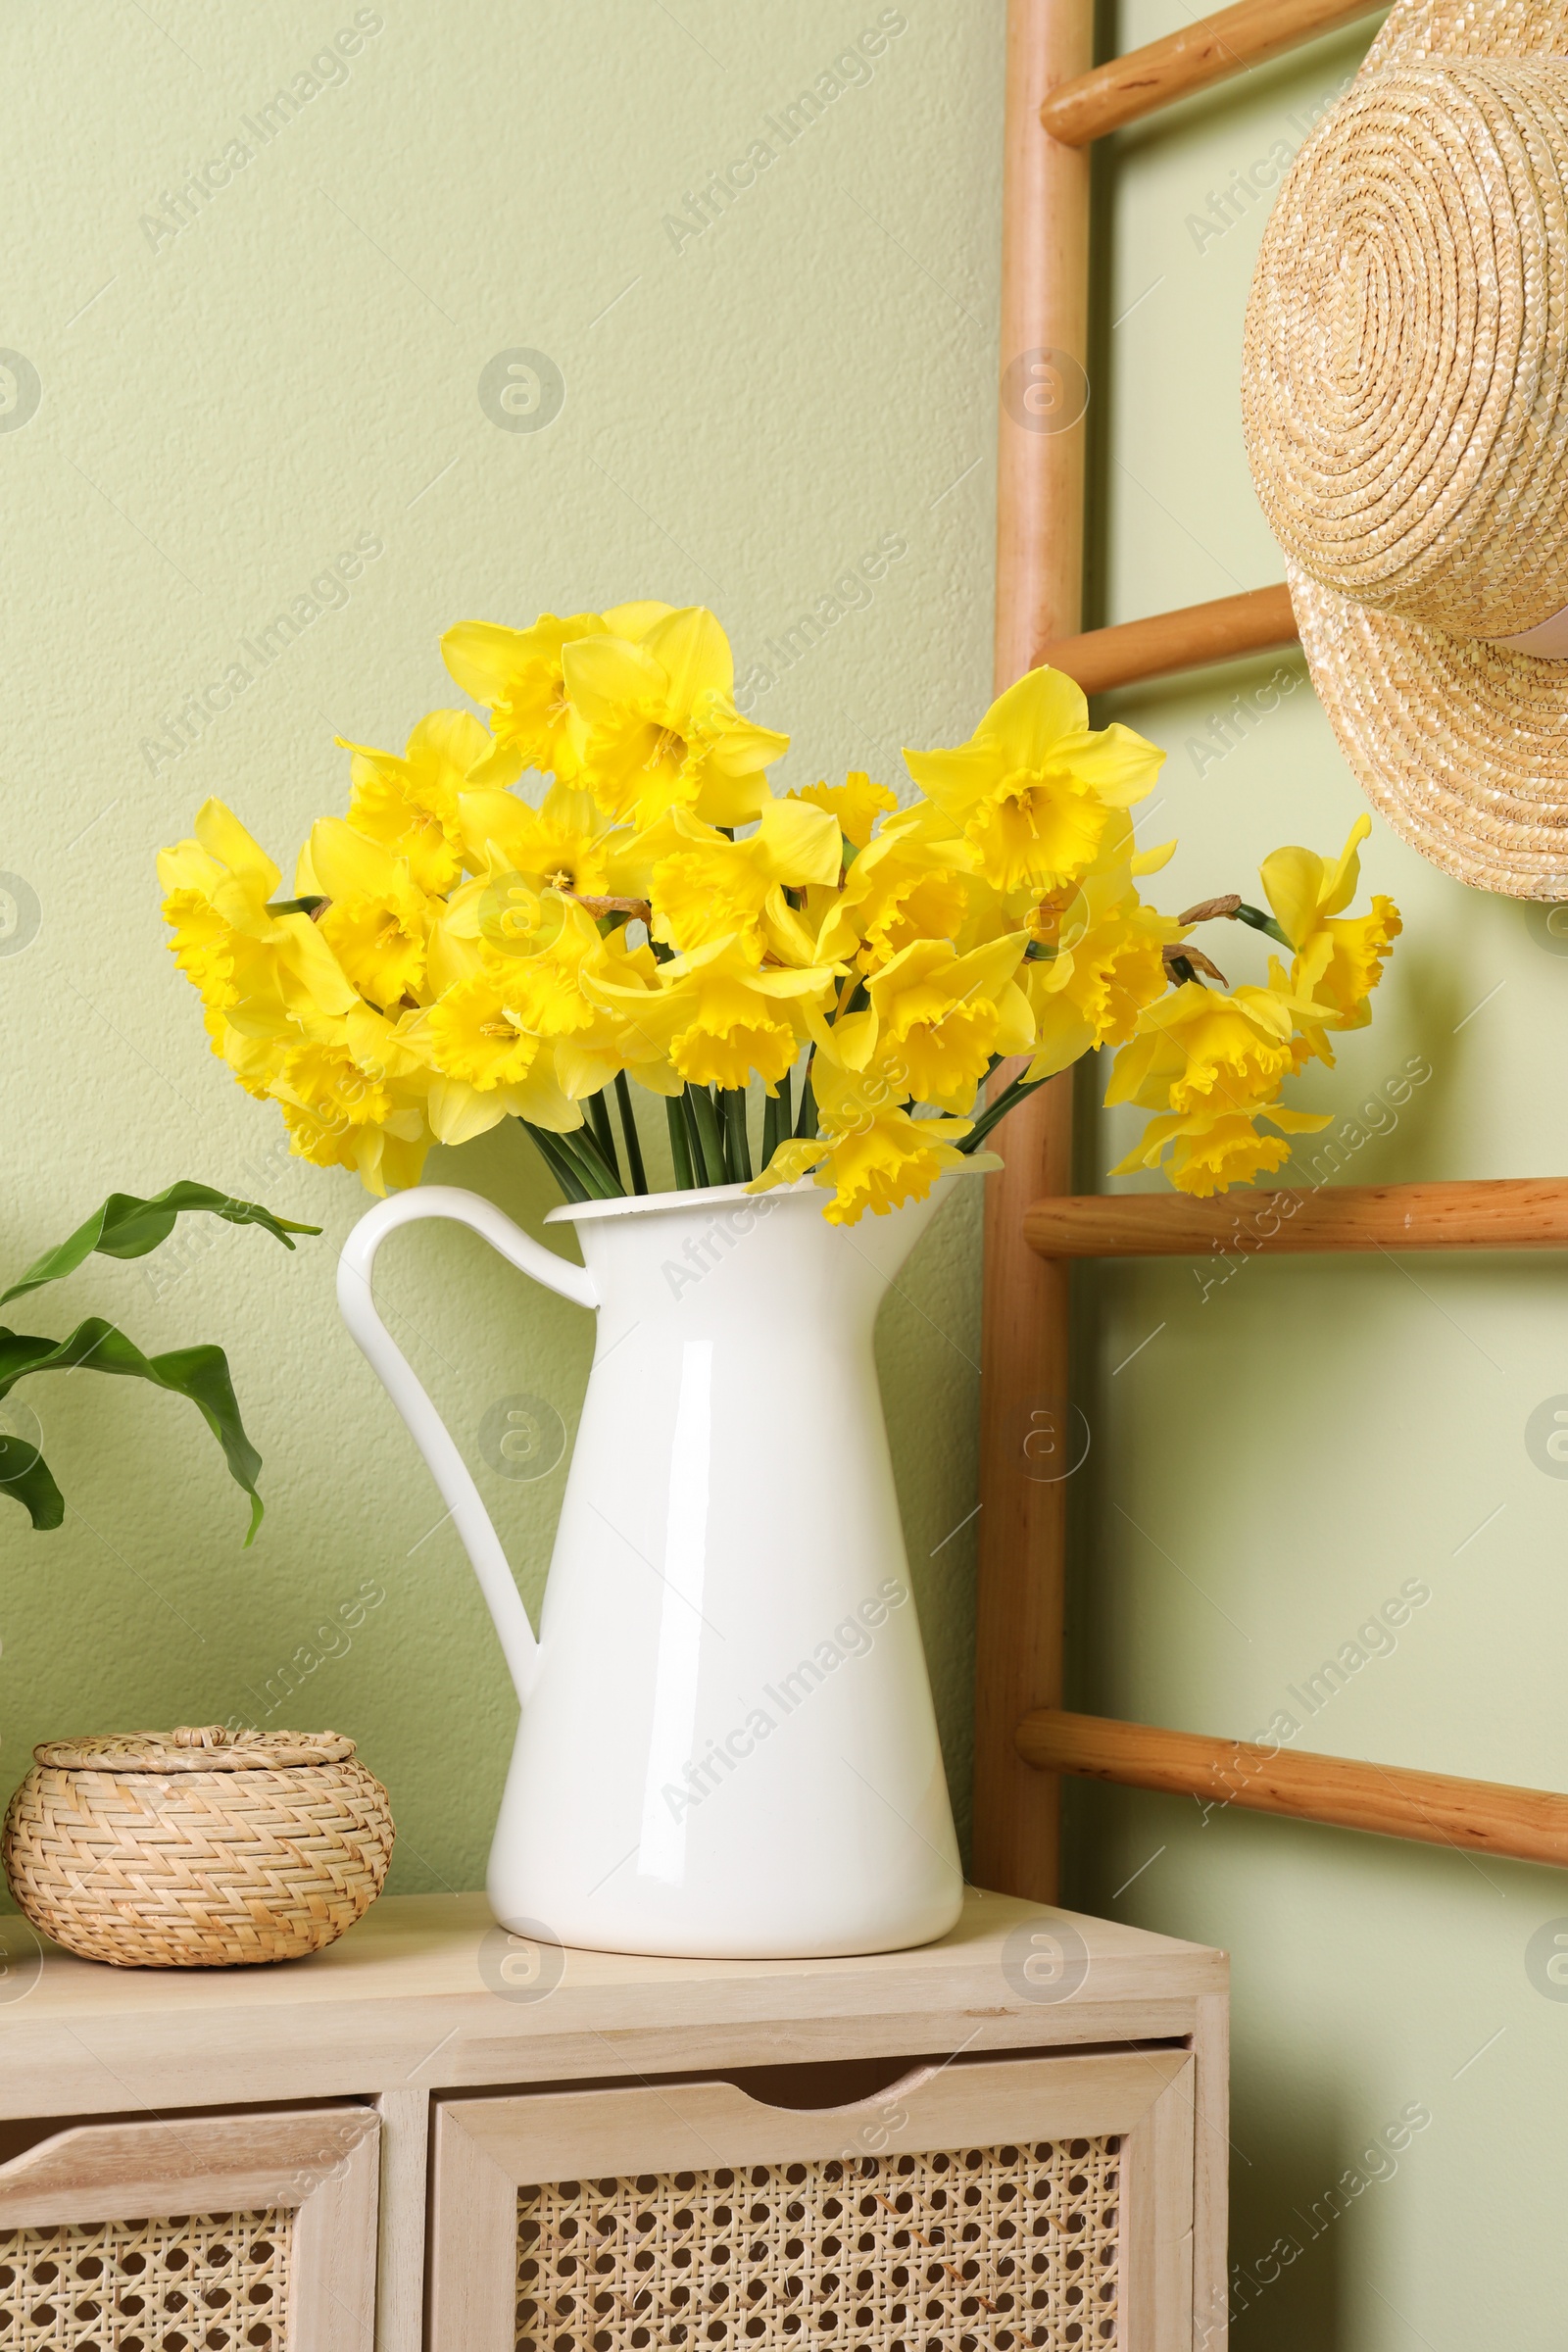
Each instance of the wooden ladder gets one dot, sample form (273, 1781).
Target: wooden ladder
(1057, 104)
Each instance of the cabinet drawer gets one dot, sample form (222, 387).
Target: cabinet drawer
(1008, 2205)
(253, 2230)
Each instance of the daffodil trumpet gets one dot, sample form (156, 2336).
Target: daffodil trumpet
(589, 891)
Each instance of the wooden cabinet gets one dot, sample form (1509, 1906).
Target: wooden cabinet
(438, 2133)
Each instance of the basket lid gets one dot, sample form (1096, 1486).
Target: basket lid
(196, 1747)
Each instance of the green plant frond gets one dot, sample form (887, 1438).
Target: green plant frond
(128, 1227)
(200, 1374)
(27, 1478)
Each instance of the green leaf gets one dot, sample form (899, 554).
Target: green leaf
(200, 1373)
(125, 1227)
(562, 1169)
(737, 1142)
(597, 1108)
(628, 1129)
(709, 1135)
(680, 1148)
(25, 1475)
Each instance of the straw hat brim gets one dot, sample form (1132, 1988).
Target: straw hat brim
(1461, 747)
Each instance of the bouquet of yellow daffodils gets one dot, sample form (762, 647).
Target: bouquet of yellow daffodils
(816, 984)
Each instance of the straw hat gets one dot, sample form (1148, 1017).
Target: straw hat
(1405, 407)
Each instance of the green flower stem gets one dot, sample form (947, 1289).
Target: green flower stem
(737, 1140)
(693, 1141)
(805, 1122)
(785, 1114)
(1259, 921)
(995, 1112)
(629, 1128)
(598, 1110)
(852, 1002)
(681, 1144)
(555, 1160)
(602, 1181)
(709, 1138)
(771, 1111)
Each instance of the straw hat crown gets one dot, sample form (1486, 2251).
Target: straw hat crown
(1406, 382)
(1405, 406)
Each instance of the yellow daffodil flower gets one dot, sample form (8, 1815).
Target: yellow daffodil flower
(718, 1017)
(544, 991)
(634, 620)
(262, 971)
(733, 1020)
(354, 1096)
(706, 887)
(902, 888)
(475, 1037)
(254, 1060)
(469, 957)
(1215, 1145)
(489, 1066)
(506, 1021)
(565, 844)
(481, 917)
(376, 921)
(868, 1158)
(389, 1156)
(854, 806)
(410, 804)
(1198, 1047)
(517, 675)
(588, 1059)
(662, 728)
(457, 1111)
(1338, 962)
(325, 1083)
(937, 1019)
(1108, 967)
(1033, 788)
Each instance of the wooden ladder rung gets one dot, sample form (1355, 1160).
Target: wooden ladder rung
(1508, 1213)
(1527, 1824)
(1186, 639)
(1211, 50)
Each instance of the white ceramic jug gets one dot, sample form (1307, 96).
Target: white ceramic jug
(727, 1745)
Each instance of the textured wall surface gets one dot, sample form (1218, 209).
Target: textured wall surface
(750, 406)
(234, 390)
(1299, 1444)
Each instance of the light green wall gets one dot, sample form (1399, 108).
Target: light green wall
(758, 408)
(1288, 1451)
(748, 412)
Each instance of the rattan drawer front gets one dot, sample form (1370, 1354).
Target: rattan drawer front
(209, 2281)
(1025, 2205)
(1006, 2247)
(252, 2232)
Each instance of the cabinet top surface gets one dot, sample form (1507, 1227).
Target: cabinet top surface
(429, 1994)
(447, 1948)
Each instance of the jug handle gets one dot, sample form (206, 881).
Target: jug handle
(446, 1464)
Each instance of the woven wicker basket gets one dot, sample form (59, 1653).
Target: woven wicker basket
(197, 1849)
